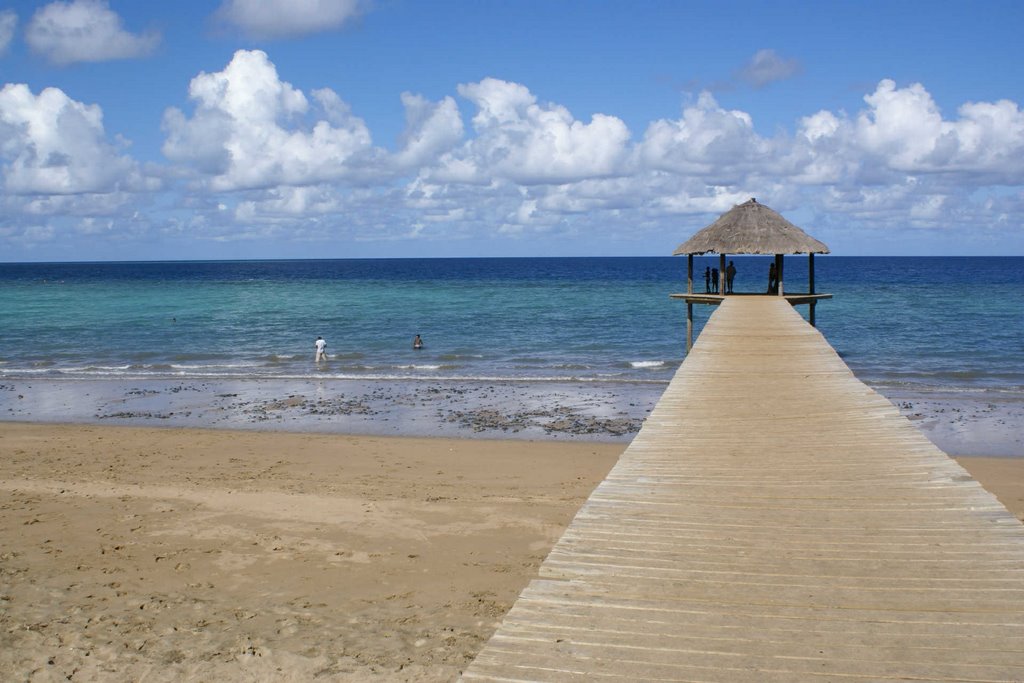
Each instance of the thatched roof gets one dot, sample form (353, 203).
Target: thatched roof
(751, 228)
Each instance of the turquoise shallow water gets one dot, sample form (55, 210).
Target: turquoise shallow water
(926, 324)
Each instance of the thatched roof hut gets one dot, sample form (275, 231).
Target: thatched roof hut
(751, 228)
(748, 228)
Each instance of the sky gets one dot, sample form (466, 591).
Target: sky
(238, 129)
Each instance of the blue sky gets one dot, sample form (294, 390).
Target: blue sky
(342, 128)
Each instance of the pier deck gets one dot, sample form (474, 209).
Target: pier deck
(774, 520)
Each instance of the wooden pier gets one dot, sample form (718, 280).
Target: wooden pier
(774, 520)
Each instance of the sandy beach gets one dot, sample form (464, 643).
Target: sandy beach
(137, 553)
(173, 554)
(1003, 477)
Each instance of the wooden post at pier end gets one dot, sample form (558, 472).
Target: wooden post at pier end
(689, 273)
(689, 306)
(721, 273)
(810, 288)
(778, 274)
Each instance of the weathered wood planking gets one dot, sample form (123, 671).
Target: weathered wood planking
(774, 520)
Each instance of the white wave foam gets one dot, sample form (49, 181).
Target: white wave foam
(211, 366)
(490, 379)
(647, 363)
(28, 371)
(412, 373)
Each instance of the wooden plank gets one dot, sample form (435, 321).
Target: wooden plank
(774, 520)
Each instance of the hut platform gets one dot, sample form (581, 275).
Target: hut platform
(793, 298)
(774, 520)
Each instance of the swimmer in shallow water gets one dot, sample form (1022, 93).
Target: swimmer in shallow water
(417, 343)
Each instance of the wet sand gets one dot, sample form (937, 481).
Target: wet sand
(588, 411)
(958, 423)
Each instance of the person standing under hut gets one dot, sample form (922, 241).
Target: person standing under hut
(730, 275)
(707, 280)
(714, 280)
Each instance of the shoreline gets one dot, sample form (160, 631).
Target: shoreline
(591, 411)
(964, 424)
(959, 423)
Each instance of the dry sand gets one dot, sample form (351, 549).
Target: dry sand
(172, 554)
(1002, 477)
(168, 554)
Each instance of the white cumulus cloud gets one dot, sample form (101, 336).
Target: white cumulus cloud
(250, 130)
(528, 143)
(289, 202)
(262, 160)
(905, 127)
(84, 31)
(430, 129)
(896, 159)
(900, 125)
(51, 144)
(902, 133)
(286, 18)
(708, 141)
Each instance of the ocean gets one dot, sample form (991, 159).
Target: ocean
(918, 325)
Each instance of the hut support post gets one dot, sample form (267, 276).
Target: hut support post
(689, 306)
(810, 287)
(721, 273)
(689, 326)
(778, 272)
(810, 273)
